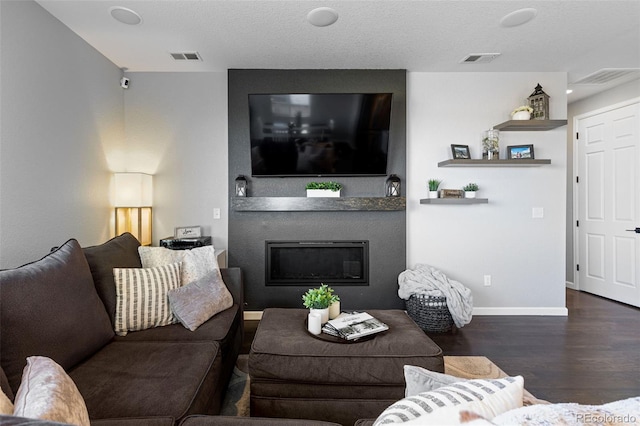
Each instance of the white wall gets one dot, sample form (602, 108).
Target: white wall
(524, 256)
(612, 96)
(61, 110)
(176, 127)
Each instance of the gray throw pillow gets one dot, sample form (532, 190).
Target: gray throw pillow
(195, 303)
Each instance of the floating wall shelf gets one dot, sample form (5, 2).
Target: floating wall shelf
(493, 163)
(454, 201)
(302, 204)
(529, 125)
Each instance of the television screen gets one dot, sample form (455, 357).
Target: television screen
(324, 134)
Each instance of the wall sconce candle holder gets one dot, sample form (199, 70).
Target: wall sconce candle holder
(241, 186)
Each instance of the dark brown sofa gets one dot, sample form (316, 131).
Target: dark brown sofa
(62, 307)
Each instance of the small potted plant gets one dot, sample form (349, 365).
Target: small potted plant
(522, 113)
(323, 189)
(470, 190)
(319, 299)
(433, 187)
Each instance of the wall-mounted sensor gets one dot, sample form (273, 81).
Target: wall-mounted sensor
(124, 82)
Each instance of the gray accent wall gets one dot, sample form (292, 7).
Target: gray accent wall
(248, 231)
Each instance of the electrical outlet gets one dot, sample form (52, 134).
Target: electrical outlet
(537, 213)
(487, 280)
(216, 213)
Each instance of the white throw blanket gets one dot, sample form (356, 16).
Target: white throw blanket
(429, 281)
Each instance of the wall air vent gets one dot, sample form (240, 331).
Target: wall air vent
(607, 75)
(186, 56)
(479, 58)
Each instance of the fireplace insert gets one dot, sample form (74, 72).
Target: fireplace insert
(313, 262)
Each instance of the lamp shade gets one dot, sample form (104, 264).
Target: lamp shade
(133, 190)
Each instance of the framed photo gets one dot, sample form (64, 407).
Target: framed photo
(520, 152)
(460, 152)
(188, 232)
(451, 193)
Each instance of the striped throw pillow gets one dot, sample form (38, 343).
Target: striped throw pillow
(141, 297)
(485, 397)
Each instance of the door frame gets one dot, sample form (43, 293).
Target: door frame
(576, 234)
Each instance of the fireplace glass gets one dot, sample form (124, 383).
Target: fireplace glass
(313, 262)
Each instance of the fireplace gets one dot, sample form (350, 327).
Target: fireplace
(312, 262)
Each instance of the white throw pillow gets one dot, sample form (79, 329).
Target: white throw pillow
(196, 263)
(141, 297)
(195, 303)
(485, 397)
(46, 392)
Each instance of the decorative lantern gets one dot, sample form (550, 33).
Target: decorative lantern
(241, 186)
(393, 186)
(539, 101)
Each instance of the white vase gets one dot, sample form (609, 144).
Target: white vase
(433, 194)
(311, 193)
(334, 309)
(324, 314)
(469, 194)
(521, 115)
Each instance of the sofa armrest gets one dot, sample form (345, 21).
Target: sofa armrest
(233, 279)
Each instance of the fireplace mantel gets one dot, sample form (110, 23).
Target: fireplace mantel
(302, 204)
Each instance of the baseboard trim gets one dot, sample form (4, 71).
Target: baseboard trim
(563, 312)
(571, 285)
(252, 315)
(558, 312)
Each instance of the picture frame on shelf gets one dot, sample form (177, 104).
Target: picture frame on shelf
(460, 152)
(188, 232)
(520, 152)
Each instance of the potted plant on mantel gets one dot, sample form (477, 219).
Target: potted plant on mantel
(323, 189)
(470, 190)
(319, 300)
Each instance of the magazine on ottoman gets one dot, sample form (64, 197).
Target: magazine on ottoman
(354, 325)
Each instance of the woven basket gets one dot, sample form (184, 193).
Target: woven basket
(430, 313)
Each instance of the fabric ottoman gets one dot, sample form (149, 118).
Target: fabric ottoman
(294, 374)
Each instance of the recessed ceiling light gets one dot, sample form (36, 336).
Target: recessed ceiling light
(124, 15)
(519, 17)
(322, 16)
(569, 91)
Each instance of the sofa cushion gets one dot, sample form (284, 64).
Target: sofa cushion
(4, 385)
(141, 297)
(139, 379)
(244, 421)
(50, 308)
(118, 252)
(195, 303)
(46, 392)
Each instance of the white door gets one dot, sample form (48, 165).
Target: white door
(608, 195)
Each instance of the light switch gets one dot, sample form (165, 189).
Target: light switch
(216, 213)
(537, 212)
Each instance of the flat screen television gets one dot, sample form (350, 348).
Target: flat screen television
(319, 134)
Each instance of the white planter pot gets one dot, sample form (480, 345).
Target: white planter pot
(469, 194)
(433, 194)
(521, 115)
(322, 193)
(324, 314)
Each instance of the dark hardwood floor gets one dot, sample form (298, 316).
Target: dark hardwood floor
(590, 357)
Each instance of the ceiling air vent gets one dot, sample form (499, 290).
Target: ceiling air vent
(607, 75)
(479, 58)
(186, 56)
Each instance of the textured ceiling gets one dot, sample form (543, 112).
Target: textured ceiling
(579, 37)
